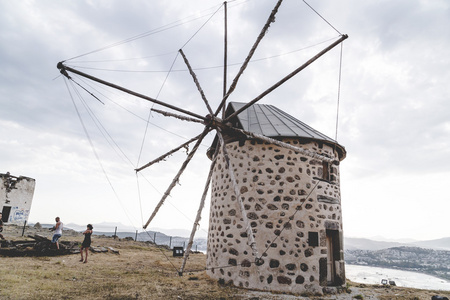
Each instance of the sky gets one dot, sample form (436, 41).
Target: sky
(386, 88)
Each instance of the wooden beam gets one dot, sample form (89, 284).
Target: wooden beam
(63, 69)
(286, 78)
(177, 176)
(199, 88)
(168, 153)
(266, 26)
(199, 212)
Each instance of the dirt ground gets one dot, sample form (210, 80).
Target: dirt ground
(141, 271)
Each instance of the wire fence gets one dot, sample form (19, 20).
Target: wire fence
(155, 237)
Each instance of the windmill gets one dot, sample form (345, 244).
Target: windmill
(222, 120)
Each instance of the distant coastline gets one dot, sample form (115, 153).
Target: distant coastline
(374, 275)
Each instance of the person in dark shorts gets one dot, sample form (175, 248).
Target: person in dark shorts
(58, 229)
(86, 243)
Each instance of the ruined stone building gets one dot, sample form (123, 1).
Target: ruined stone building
(16, 194)
(292, 201)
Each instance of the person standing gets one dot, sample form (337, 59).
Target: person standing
(1, 226)
(86, 242)
(58, 232)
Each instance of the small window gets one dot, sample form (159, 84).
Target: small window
(5, 213)
(313, 239)
(325, 171)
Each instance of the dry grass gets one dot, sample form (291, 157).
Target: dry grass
(141, 271)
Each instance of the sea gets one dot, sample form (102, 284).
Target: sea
(374, 275)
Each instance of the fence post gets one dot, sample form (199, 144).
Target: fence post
(136, 236)
(115, 233)
(170, 243)
(24, 225)
(154, 237)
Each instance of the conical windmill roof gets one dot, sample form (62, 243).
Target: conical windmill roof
(270, 121)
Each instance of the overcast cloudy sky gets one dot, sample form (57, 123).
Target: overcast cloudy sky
(394, 111)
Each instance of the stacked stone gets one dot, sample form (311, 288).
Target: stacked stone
(289, 206)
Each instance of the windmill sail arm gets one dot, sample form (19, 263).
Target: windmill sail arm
(183, 118)
(251, 238)
(287, 77)
(162, 157)
(177, 177)
(194, 77)
(266, 26)
(63, 70)
(199, 212)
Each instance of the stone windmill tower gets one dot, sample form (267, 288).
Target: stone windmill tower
(290, 200)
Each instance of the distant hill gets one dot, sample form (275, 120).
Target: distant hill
(442, 244)
(103, 227)
(368, 244)
(415, 259)
(181, 236)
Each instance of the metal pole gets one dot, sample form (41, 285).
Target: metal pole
(115, 233)
(136, 236)
(154, 238)
(170, 242)
(24, 225)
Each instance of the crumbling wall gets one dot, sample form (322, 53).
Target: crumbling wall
(291, 210)
(16, 195)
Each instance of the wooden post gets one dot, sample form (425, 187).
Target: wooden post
(170, 242)
(136, 236)
(154, 238)
(115, 232)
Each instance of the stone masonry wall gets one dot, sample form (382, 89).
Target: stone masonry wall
(16, 193)
(288, 225)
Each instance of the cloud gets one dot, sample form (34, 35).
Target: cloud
(393, 101)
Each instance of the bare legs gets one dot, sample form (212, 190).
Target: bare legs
(86, 254)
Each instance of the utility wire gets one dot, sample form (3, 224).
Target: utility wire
(150, 111)
(322, 17)
(206, 68)
(339, 93)
(142, 35)
(93, 148)
(98, 124)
